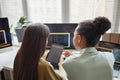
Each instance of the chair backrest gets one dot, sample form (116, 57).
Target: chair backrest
(8, 73)
(109, 42)
(111, 37)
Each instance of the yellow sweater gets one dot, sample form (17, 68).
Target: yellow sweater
(46, 71)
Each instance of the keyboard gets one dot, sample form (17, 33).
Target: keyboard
(116, 71)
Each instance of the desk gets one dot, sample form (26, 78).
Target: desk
(7, 58)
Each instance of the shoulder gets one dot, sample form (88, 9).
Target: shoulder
(44, 66)
(107, 55)
(43, 63)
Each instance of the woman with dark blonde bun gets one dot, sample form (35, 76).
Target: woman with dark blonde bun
(88, 64)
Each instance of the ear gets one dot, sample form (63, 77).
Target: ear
(79, 39)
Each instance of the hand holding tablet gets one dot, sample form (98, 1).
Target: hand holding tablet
(54, 55)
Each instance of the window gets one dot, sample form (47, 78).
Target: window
(53, 11)
(44, 11)
(81, 10)
(11, 9)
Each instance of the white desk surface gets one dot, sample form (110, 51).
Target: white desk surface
(7, 58)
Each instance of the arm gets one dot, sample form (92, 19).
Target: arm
(61, 69)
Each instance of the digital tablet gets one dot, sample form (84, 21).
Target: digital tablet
(54, 55)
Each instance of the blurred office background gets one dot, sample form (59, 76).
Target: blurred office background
(61, 11)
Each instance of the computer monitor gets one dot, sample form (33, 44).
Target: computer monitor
(62, 34)
(5, 36)
(59, 38)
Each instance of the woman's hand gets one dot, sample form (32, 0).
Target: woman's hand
(45, 55)
(67, 53)
(60, 61)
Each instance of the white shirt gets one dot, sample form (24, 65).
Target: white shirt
(89, 64)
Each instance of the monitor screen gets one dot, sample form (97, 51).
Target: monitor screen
(5, 36)
(59, 38)
(62, 34)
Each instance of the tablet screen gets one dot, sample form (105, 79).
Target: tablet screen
(55, 53)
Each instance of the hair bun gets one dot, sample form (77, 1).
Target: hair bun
(102, 24)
